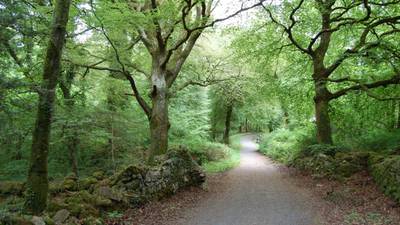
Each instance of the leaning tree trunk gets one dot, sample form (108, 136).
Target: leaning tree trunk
(159, 123)
(37, 183)
(228, 119)
(324, 131)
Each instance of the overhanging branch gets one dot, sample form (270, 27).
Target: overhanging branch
(365, 87)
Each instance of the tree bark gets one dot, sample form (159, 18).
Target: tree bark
(228, 119)
(37, 182)
(324, 132)
(159, 123)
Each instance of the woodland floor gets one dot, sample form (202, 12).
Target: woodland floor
(260, 192)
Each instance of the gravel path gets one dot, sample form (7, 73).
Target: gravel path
(254, 193)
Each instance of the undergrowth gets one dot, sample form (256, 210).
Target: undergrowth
(285, 145)
(378, 154)
(232, 157)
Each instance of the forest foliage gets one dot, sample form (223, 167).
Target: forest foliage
(312, 77)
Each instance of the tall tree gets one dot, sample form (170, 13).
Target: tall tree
(169, 31)
(37, 183)
(374, 26)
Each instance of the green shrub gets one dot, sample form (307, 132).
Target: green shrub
(285, 145)
(231, 160)
(14, 170)
(223, 165)
(316, 149)
(380, 141)
(210, 152)
(298, 148)
(386, 173)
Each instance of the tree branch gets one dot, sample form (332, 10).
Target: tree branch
(365, 87)
(289, 29)
(146, 108)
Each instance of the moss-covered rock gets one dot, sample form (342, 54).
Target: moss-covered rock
(54, 205)
(56, 187)
(320, 165)
(38, 220)
(70, 183)
(375, 158)
(341, 165)
(386, 173)
(350, 163)
(109, 193)
(87, 183)
(99, 175)
(48, 220)
(82, 204)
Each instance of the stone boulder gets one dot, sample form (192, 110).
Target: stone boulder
(107, 192)
(61, 216)
(38, 220)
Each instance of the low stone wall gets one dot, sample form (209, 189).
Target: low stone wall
(386, 172)
(83, 201)
(174, 171)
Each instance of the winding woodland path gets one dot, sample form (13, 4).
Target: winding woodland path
(254, 193)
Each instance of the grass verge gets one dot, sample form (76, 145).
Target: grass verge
(231, 160)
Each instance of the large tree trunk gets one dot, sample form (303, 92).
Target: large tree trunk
(37, 182)
(324, 132)
(228, 119)
(159, 123)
